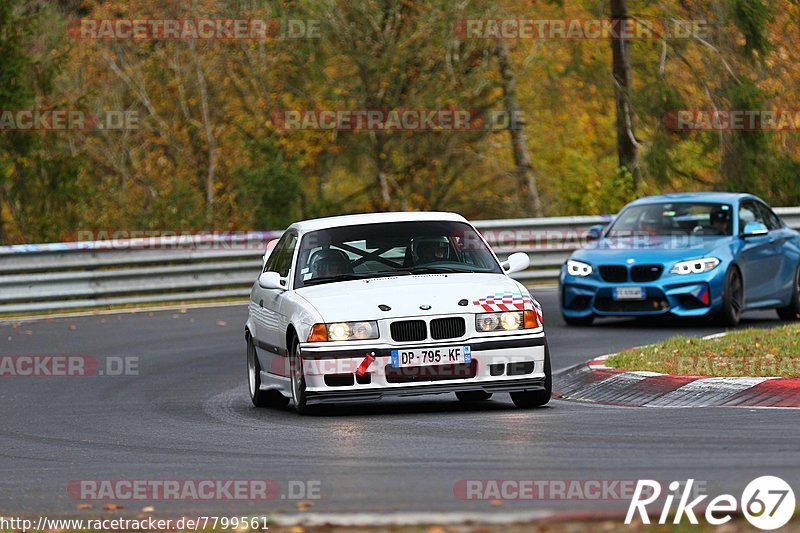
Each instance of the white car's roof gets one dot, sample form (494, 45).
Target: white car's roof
(375, 218)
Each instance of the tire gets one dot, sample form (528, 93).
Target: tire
(537, 398)
(473, 396)
(260, 398)
(298, 380)
(579, 322)
(732, 300)
(792, 311)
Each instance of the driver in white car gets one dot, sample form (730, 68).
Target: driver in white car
(330, 263)
(431, 251)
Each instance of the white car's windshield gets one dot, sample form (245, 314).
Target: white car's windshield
(390, 249)
(674, 219)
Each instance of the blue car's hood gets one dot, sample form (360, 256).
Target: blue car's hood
(616, 251)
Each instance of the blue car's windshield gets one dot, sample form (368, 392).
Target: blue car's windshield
(674, 219)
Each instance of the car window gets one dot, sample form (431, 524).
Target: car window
(388, 249)
(280, 260)
(771, 220)
(673, 219)
(749, 212)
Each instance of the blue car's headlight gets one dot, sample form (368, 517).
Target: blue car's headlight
(696, 266)
(579, 269)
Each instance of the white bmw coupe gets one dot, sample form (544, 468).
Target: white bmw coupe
(362, 307)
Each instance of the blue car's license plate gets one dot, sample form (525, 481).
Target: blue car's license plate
(630, 293)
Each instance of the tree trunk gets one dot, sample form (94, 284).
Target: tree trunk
(384, 200)
(212, 142)
(627, 146)
(3, 239)
(526, 178)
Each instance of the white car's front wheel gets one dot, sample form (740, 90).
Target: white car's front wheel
(538, 398)
(260, 398)
(298, 379)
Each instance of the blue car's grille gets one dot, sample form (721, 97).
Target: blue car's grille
(646, 273)
(638, 274)
(614, 273)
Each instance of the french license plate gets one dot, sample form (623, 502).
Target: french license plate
(630, 293)
(451, 355)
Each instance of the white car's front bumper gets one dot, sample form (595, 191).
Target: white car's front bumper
(499, 364)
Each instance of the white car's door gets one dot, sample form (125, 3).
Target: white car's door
(270, 323)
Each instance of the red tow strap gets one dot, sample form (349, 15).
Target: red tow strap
(364, 366)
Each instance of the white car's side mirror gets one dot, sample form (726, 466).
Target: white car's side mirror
(516, 263)
(270, 280)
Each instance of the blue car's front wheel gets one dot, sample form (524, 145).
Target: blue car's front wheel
(792, 311)
(733, 299)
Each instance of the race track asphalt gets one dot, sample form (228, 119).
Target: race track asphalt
(187, 416)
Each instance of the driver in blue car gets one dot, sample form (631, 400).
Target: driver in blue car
(721, 220)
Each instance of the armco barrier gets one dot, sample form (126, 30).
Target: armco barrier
(62, 276)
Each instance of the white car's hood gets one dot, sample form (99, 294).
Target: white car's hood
(359, 300)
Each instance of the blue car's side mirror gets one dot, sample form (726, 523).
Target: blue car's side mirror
(595, 232)
(754, 229)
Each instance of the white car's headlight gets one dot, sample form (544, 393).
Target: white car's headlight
(507, 321)
(344, 331)
(696, 266)
(578, 268)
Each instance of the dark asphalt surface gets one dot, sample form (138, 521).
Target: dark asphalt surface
(187, 416)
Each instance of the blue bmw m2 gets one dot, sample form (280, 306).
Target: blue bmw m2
(699, 255)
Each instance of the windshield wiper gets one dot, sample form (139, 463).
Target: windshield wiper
(435, 270)
(331, 279)
(353, 276)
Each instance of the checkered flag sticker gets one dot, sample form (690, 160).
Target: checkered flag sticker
(510, 301)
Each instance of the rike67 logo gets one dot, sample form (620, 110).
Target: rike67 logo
(767, 502)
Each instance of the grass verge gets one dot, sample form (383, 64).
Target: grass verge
(744, 353)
